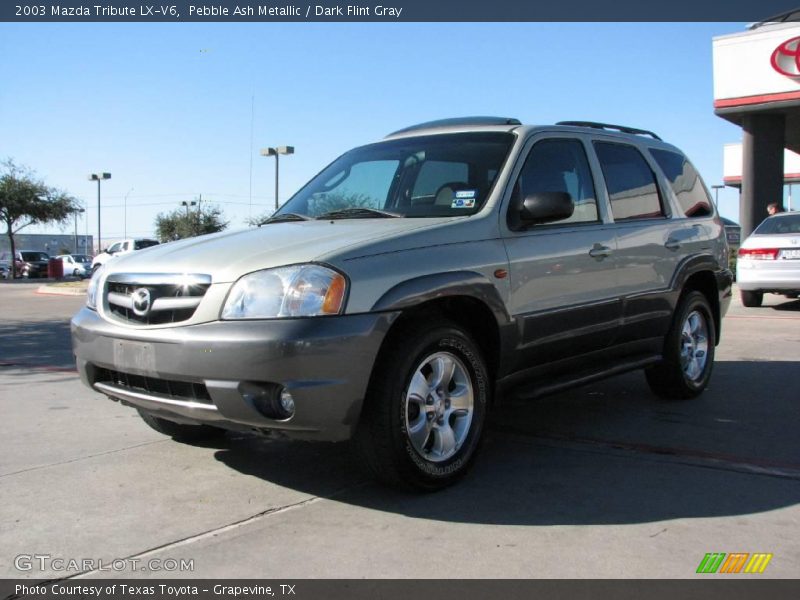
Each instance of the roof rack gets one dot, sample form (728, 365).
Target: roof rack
(458, 122)
(620, 128)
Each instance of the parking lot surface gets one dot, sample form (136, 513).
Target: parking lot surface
(601, 481)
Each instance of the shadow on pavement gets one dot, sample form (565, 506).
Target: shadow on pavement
(524, 477)
(39, 343)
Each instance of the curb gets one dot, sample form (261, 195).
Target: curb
(50, 290)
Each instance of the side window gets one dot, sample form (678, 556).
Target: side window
(114, 248)
(559, 165)
(631, 183)
(685, 182)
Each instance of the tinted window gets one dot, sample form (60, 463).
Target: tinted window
(34, 256)
(782, 225)
(685, 182)
(559, 166)
(421, 176)
(141, 244)
(631, 184)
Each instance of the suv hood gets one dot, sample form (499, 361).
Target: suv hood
(229, 255)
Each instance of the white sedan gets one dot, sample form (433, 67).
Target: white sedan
(769, 260)
(75, 265)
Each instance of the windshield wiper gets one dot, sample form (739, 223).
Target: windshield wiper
(285, 218)
(356, 212)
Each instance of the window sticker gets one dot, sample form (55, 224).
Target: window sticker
(463, 203)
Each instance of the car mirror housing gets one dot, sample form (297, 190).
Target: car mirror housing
(545, 207)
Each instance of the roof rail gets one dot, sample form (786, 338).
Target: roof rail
(620, 128)
(458, 122)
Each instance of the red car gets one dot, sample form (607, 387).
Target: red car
(27, 263)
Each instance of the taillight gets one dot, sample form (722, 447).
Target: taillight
(759, 253)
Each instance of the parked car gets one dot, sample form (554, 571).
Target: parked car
(119, 249)
(28, 263)
(395, 294)
(769, 259)
(77, 265)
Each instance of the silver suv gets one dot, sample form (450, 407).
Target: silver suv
(404, 287)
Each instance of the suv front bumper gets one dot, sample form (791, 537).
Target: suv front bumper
(324, 362)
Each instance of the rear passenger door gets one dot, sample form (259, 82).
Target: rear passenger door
(649, 241)
(562, 274)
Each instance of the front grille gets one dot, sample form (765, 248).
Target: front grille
(185, 391)
(148, 299)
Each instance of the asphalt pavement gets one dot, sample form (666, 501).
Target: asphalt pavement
(598, 482)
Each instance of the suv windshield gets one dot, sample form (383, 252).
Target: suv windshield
(34, 256)
(781, 224)
(426, 176)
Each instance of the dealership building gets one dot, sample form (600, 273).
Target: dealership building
(757, 86)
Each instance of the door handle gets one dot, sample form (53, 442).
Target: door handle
(599, 251)
(672, 244)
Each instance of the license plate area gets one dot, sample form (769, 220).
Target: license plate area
(790, 254)
(139, 357)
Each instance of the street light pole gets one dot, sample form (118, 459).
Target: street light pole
(125, 214)
(716, 189)
(98, 177)
(77, 212)
(276, 152)
(186, 205)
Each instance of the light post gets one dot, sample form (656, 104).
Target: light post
(187, 205)
(716, 189)
(98, 177)
(77, 212)
(276, 152)
(125, 214)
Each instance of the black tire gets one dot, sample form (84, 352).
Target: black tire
(179, 431)
(752, 299)
(670, 378)
(383, 438)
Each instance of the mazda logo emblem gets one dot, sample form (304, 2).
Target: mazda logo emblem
(141, 302)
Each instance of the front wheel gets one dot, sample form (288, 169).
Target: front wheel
(425, 408)
(688, 358)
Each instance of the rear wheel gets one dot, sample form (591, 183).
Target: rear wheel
(688, 358)
(180, 431)
(424, 412)
(752, 299)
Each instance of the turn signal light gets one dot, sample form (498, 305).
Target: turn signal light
(759, 253)
(334, 297)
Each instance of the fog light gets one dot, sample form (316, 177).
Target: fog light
(287, 402)
(270, 399)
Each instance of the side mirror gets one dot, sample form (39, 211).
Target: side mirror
(544, 207)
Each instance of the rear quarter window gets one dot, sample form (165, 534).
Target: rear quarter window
(685, 182)
(630, 181)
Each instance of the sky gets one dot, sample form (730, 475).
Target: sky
(176, 111)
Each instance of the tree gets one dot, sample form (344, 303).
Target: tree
(26, 200)
(180, 223)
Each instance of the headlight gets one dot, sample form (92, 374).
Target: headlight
(298, 291)
(91, 291)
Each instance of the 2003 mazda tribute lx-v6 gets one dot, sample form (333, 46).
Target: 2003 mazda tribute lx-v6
(394, 295)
